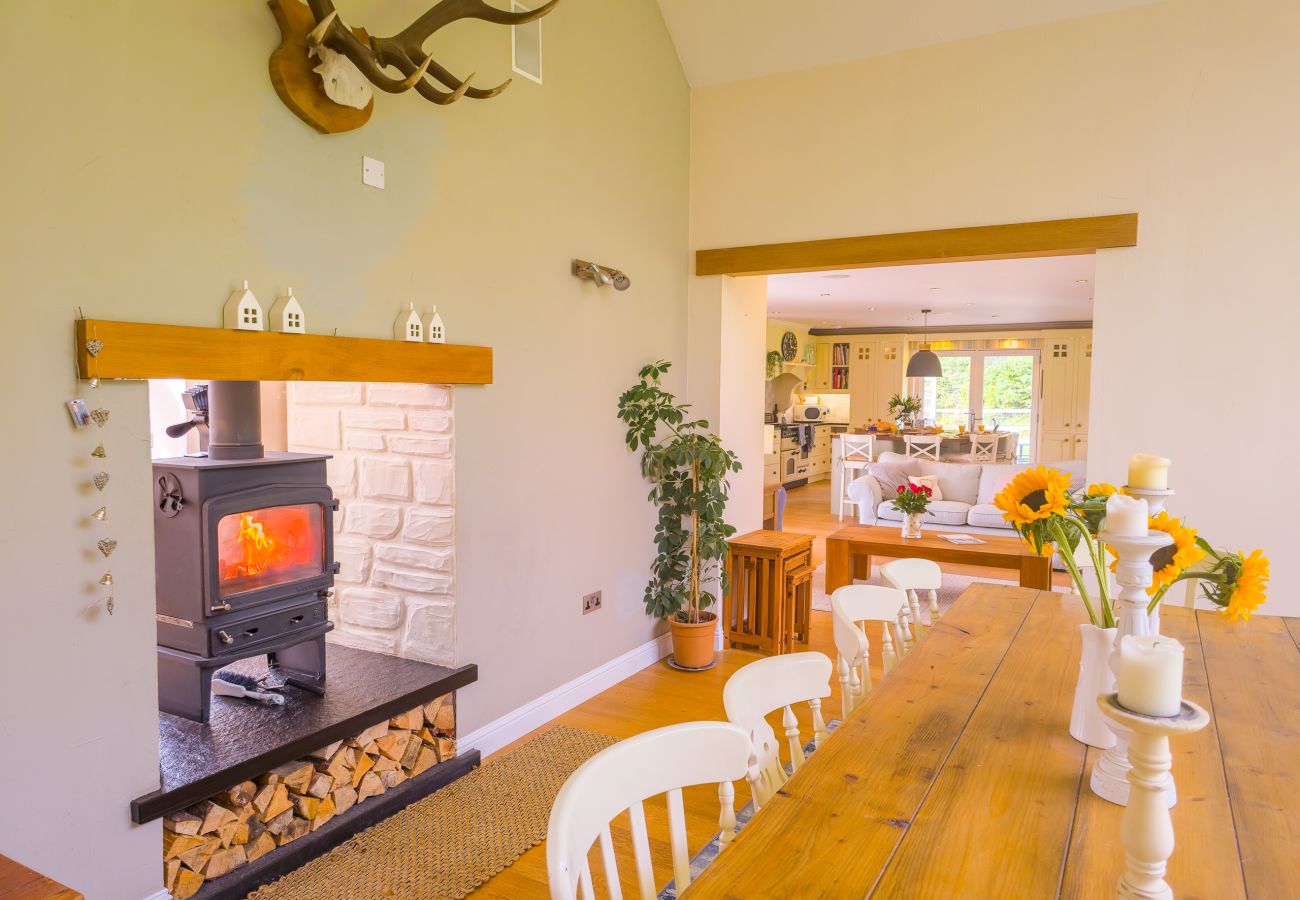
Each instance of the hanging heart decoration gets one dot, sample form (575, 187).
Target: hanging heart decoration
(106, 578)
(107, 546)
(99, 452)
(93, 347)
(100, 479)
(100, 416)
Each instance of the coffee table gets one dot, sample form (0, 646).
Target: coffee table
(849, 552)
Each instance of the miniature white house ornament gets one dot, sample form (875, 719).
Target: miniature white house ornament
(408, 326)
(287, 315)
(243, 312)
(434, 329)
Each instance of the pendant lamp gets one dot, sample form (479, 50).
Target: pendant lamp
(924, 362)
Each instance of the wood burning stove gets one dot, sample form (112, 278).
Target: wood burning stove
(244, 557)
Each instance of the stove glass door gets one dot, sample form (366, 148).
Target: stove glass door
(273, 545)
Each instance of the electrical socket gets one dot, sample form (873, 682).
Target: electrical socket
(590, 602)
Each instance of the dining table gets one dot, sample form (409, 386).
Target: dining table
(957, 775)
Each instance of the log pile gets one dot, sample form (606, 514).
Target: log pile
(252, 819)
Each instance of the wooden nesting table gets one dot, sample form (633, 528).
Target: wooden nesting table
(957, 776)
(769, 602)
(849, 552)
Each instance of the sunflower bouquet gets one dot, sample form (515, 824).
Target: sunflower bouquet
(1047, 514)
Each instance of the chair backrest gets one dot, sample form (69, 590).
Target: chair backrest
(984, 447)
(620, 778)
(923, 446)
(913, 576)
(1013, 441)
(852, 606)
(857, 447)
(782, 495)
(769, 684)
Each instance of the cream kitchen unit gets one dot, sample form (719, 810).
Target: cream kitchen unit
(1067, 373)
(867, 368)
(796, 464)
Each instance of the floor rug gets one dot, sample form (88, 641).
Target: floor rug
(454, 840)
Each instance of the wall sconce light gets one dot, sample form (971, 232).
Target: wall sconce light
(601, 275)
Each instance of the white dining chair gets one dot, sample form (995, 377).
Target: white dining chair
(1012, 446)
(924, 446)
(852, 607)
(621, 778)
(857, 451)
(984, 447)
(912, 576)
(769, 684)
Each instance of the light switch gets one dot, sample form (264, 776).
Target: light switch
(372, 172)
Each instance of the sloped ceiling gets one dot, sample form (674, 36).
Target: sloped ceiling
(720, 41)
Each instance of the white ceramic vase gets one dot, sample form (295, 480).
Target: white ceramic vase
(1087, 723)
(912, 529)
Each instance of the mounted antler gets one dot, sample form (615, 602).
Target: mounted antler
(404, 51)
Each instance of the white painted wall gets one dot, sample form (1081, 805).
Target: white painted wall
(1181, 111)
(148, 200)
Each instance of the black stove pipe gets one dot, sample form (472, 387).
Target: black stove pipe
(235, 420)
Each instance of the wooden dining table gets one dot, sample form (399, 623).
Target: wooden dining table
(957, 776)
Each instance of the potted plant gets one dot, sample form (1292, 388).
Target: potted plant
(904, 409)
(913, 501)
(687, 468)
(775, 364)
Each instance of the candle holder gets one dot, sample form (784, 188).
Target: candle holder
(1155, 499)
(1134, 575)
(1147, 831)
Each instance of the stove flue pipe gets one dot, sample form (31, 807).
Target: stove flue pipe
(235, 420)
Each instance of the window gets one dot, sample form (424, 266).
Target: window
(295, 320)
(414, 329)
(250, 315)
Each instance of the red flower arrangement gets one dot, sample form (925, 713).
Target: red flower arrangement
(912, 498)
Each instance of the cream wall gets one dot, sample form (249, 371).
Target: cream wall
(146, 169)
(1182, 111)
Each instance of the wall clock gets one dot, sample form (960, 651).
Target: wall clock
(789, 346)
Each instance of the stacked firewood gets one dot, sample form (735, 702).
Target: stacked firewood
(251, 819)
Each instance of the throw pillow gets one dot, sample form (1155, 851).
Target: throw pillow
(891, 478)
(930, 481)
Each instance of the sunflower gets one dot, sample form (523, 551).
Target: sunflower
(1102, 490)
(1169, 562)
(1034, 495)
(1251, 586)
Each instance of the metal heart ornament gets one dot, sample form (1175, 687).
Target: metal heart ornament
(100, 479)
(99, 452)
(106, 547)
(100, 416)
(93, 347)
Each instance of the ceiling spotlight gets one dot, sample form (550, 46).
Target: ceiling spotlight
(837, 275)
(822, 323)
(936, 289)
(1080, 281)
(970, 304)
(872, 308)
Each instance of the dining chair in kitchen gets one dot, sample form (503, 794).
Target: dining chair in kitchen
(769, 684)
(912, 576)
(923, 446)
(984, 446)
(853, 607)
(622, 777)
(1012, 445)
(857, 451)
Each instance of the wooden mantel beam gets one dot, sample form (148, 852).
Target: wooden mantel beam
(140, 350)
(1057, 237)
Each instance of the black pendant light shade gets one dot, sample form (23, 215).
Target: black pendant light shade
(924, 362)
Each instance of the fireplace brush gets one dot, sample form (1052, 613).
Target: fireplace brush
(236, 684)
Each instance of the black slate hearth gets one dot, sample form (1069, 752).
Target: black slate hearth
(245, 739)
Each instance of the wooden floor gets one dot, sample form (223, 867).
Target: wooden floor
(659, 696)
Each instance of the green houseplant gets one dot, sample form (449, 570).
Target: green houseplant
(687, 468)
(775, 364)
(904, 408)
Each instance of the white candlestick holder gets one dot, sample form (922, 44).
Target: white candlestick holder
(1155, 498)
(1133, 574)
(1147, 831)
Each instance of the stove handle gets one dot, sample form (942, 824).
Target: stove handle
(225, 637)
(220, 608)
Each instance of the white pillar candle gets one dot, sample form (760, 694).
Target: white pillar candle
(1150, 675)
(1126, 516)
(1149, 472)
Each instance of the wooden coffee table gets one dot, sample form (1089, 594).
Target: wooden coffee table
(849, 552)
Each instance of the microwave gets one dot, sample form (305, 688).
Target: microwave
(810, 412)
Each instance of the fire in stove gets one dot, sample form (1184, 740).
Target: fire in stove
(269, 546)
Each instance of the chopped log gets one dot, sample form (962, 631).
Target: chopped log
(445, 720)
(428, 736)
(341, 765)
(321, 785)
(261, 845)
(371, 749)
(214, 815)
(241, 833)
(186, 885)
(344, 798)
(198, 857)
(280, 822)
(262, 800)
(370, 786)
(306, 807)
(295, 776)
(428, 759)
(183, 823)
(297, 828)
(279, 803)
(413, 748)
(225, 861)
(392, 778)
(246, 812)
(326, 752)
(431, 708)
(171, 868)
(446, 749)
(393, 744)
(364, 764)
(227, 834)
(240, 795)
(371, 734)
(324, 813)
(384, 764)
(175, 844)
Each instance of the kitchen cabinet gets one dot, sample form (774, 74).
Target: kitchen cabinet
(1066, 393)
(876, 374)
(832, 371)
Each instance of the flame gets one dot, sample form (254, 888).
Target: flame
(270, 545)
(259, 550)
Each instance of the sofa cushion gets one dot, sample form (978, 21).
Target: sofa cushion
(941, 512)
(986, 515)
(957, 481)
(993, 478)
(890, 477)
(930, 481)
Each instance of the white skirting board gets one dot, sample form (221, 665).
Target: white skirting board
(160, 895)
(536, 713)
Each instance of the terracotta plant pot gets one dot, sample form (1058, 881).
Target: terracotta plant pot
(693, 642)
